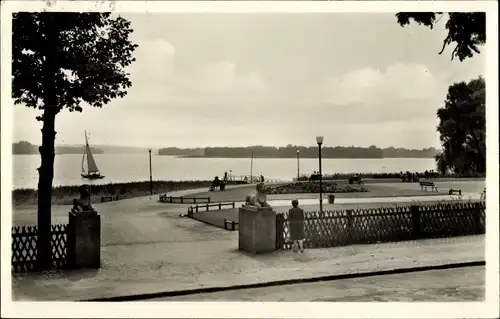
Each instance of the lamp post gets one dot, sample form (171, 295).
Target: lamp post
(251, 169)
(319, 140)
(298, 165)
(150, 174)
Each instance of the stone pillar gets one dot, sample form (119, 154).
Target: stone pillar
(84, 240)
(415, 231)
(257, 229)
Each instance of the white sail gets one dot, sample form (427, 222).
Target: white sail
(83, 159)
(91, 165)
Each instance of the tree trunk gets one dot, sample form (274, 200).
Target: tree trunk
(482, 166)
(46, 175)
(47, 149)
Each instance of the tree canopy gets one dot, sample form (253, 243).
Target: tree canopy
(462, 128)
(467, 30)
(90, 52)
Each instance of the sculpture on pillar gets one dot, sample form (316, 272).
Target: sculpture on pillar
(83, 204)
(259, 199)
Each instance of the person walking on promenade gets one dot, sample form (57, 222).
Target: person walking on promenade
(296, 217)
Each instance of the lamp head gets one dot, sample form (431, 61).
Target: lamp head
(298, 151)
(319, 140)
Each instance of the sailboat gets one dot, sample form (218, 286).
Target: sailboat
(92, 170)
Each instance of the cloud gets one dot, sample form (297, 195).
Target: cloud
(159, 76)
(155, 58)
(400, 92)
(219, 78)
(400, 81)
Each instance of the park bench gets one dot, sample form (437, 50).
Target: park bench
(314, 177)
(109, 198)
(230, 224)
(356, 180)
(214, 186)
(455, 191)
(425, 185)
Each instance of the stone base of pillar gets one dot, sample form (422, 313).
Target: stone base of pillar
(84, 240)
(257, 230)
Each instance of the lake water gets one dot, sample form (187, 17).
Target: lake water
(135, 167)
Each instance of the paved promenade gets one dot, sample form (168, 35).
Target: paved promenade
(147, 248)
(214, 262)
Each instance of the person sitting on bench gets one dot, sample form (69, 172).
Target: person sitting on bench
(216, 183)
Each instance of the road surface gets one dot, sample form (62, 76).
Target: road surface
(460, 284)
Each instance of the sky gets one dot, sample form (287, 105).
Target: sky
(272, 79)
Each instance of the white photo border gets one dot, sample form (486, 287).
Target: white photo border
(488, 308)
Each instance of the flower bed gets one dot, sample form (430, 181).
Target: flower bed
(292, 188)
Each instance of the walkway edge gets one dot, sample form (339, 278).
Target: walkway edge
(288, 282)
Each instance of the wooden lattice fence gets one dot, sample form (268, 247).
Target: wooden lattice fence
(24, 247)
(366, 226)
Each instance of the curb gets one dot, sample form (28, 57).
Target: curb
(287, 282)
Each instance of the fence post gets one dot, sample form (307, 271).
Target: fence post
(170, 199)
(415, 222)
(279, 231)
(209, 199)
(194, 200)
(220, 205)
(349, 225)
(233, 225)
(182, 200)
(233, 204)
(206, 207)
(196, 208)
(477, 218)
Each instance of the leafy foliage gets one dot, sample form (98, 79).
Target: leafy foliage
(91, 51)
(462, 128)
(466, 29)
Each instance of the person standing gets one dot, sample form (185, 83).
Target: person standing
(296, 217)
